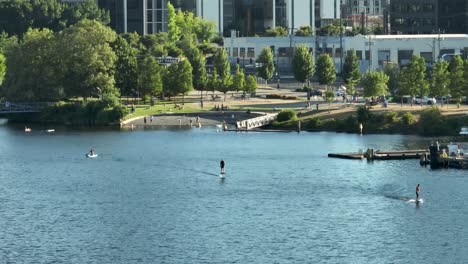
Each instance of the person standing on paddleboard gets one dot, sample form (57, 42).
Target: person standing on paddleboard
(418, 190)
(221, 164)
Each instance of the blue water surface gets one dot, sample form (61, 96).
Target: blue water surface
(155, 196)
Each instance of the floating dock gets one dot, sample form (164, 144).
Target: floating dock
(370, 154)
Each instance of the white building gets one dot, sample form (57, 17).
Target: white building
(373, 50)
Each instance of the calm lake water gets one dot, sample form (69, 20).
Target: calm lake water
(154, 196)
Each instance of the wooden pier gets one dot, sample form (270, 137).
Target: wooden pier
(256, 121)
(370, 154)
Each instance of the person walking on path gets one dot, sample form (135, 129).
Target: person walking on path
(221, 164)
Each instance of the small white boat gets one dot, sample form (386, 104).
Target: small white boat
(50, 130)
(27, 129)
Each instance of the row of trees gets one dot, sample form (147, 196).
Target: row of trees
(303, 66)
(413, 79)
(20, 15)
(88, 59)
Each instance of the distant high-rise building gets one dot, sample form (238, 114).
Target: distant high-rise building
(429, 16)
(453, 16)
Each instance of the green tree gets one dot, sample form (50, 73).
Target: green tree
(276, 32)
(213, 82)
(333, 29)
(267, 66)
(465, 83)
(19, 15)
(238, 82)
(392, 70)
(73, 13)
(375, 84)
(149, 77)
(250, 84)
(185, 77)
(303, 64)
(326, 71)
(456, 77)
(126, 66)
(225, 85)
(178, 79)
(221, 64)
(351, 73)
(32, 69)
(87, 60)
(7, 42)
(172, 27)
(198, 62)
(440, 79)
(412, 78)
(2, 68)
(304, 31)
(205, 30)
(329, 96)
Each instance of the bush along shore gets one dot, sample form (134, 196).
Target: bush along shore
(427, 122)
(91, 113)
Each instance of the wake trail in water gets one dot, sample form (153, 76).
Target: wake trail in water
(186, 169)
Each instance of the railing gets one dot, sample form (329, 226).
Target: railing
(256, 122)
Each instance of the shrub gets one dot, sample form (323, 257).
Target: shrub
(279, 96)
(286, 115)
(313, 123)
(391, 117)
(431, 123)
(304, 89)
(363, 114)
(408, 119)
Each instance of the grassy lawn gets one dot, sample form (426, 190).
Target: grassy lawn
(145, 110)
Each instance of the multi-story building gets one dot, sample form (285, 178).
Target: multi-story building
(453, 16)
(373, 51)
(247, 17)
(429, 16)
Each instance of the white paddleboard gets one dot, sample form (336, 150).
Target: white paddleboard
(222, 175)
(91, 156)
(420, 200)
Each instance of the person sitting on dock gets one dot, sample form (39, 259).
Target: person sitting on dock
(444, 154)
(418, 190)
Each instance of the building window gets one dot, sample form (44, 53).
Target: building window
(251, 52)
(235, 52)
(242, 52)
(338, 53)
(404, 56)
(282, 52)
(359, 54)
(377, 3)
(428, 57)
(383, 56)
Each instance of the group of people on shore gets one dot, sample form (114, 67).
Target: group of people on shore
(220, 107)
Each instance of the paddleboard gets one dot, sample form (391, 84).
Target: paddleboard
(91, 156)
(420, 200)
(222, 174)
